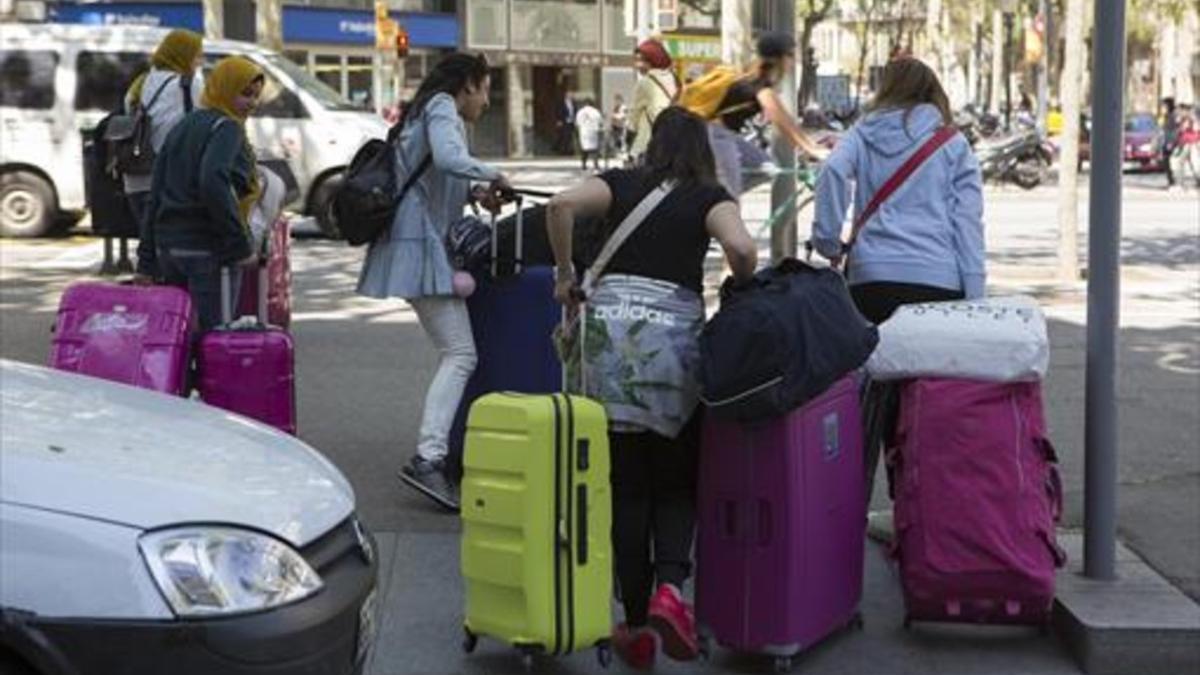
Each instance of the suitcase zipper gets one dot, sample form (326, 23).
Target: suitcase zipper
(566, 549)
(554, 544)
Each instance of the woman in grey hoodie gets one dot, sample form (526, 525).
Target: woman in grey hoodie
(925, 243)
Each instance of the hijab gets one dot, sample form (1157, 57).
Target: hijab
(177, 52)
(222, 87)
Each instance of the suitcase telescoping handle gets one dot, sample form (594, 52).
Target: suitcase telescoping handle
(519, 243)
(227, 294)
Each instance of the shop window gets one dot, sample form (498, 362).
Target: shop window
(360, 81)
(297, 56)
(27, 79)
(328, 69)
(615, 39)
(553, 25)
(487, 26)
(414, 70)
(104, 77)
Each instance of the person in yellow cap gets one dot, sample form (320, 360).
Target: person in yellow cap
(204, 185)
(166, 92)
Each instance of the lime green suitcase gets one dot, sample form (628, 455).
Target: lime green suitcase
(537, 516)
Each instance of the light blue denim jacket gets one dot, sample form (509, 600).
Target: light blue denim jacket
(410, 261)
(930, 231)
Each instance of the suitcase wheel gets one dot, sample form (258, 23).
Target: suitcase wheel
(604, 655)
(527, 660)
(857, 622)
(470, 640)
(705, 646)
(783, 664)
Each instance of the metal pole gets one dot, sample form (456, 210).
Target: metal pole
(1044, 69)
(783, 187)
(1104, 241)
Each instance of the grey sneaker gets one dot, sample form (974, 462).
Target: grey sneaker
(429, 478)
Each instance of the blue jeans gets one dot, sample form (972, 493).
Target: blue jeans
(199, 272)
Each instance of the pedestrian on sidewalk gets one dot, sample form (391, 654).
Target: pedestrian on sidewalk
(411, 261)
(205, 183)
(618, 127)
(926, 243)
(657, 88)
(565, 143)
(1170, 127)
(167, 92)
(654, 432)
(589, 124)
(745, 99)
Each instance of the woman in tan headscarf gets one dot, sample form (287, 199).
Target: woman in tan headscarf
(204, 186)
(166, 92)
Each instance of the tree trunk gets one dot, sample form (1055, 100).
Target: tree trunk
(1068, 181)
(736, 29)
(270, 24)
(934, 38)
(997, 62)
(214, 19)
(808, 74)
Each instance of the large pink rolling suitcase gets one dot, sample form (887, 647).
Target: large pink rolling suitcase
(137, 335)
(782, 520)
(279, 279)
(977, 496)
(249, 371)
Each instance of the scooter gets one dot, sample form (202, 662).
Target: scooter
(1022, 157)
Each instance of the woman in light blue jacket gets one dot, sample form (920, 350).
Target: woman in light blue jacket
(925, 243)
(410, 262)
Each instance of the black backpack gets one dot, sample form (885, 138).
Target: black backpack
(130, 150)
(365, 203)
(781, 340)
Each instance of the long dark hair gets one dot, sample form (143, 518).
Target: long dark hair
(450, 76)
(679, 149)
(907, 83)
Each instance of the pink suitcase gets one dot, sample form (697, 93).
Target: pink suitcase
(249, 371)
(279, 279)
(977, 496)
(137, 335)
(782, 520)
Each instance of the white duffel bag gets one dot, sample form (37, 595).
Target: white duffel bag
(999, 339)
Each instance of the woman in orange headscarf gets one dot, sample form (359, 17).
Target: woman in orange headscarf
(166, 92)
(204, 186)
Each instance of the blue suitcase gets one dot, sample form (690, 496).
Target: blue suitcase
(513, 315)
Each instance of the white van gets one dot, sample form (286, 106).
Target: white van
(58, 81)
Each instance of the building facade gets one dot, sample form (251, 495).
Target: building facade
(333, 39)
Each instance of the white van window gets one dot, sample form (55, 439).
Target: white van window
(27, 79)
(104, 77)
(329, 98)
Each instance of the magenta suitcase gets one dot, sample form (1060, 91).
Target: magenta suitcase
(137, 335)
(782, 519)
(249, 371)
(977, 496)
(279, 279)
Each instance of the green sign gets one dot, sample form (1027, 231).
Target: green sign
(693, 47)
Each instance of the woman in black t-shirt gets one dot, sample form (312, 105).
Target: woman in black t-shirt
(654, 472)
(745, 99)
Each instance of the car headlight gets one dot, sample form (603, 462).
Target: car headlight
(204, 571)
(1146, 147)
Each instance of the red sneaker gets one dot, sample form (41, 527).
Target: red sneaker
(636, 647)
(675, 623)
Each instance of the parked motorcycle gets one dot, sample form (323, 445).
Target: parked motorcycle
(1022, 158)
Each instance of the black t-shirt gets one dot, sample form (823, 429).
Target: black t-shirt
(673, 240)
(742, 95)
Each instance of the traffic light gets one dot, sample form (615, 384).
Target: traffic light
(401, 42)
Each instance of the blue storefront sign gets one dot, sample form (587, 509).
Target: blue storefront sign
(163, 15)
(300, 24)
(332, 26)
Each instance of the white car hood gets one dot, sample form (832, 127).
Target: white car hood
(97, 449)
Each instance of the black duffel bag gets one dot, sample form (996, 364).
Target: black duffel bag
(366, 201)
(781, 340)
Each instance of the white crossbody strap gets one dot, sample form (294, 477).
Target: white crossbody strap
(623, 232)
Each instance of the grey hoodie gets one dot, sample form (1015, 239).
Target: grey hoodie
(930, 231)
